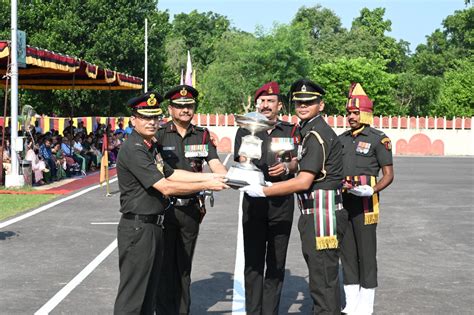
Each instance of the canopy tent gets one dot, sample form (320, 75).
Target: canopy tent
(47, 70)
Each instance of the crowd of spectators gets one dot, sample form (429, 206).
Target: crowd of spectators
(76, 152)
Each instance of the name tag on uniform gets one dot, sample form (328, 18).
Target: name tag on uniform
(169, 148)
(196, 150)
(282, 144)
(363, 147)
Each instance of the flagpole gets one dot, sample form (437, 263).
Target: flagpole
(107, 186)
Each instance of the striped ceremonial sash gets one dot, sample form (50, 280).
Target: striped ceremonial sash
(323, 204)
(370, 204)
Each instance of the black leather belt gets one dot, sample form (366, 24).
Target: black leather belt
(145, 218)
(181, 202)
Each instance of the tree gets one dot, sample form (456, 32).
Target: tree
(200, 32)
(371, 27)
(107, 33)
(336, 78)
(455, 97)
(417, 93)
(318, 21)
(244, 62)
(445, 47)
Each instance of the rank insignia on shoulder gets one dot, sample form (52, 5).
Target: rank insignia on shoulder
(363, 147)
(387, 143)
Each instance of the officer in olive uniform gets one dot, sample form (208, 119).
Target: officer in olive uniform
(267, 221)
(142, 183)
(318, 184)
(183, 146)
(366, 151)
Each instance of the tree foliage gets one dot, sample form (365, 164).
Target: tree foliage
(337, 76)
(230, 64)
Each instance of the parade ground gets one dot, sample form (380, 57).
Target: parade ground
(62, 259)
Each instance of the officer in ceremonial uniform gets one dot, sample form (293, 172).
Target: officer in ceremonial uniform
(318, 186)
(267, 221)
(141, 178)
(183, 146)
(365, 151)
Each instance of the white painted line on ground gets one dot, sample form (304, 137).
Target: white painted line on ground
(227, 158)
(238, 298)
(50, 205)
(58, 297)
(104, 223)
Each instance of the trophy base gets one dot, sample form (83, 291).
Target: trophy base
(239, 176)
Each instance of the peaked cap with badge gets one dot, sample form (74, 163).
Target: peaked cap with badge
(182, 95)
(305, 90)
(270, 88)
(146, 105)
(358, 100)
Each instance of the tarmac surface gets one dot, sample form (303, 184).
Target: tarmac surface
(63, 260)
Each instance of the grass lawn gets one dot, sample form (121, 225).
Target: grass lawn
(11, 205)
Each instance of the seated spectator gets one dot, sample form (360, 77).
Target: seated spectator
(80, 155)
(38, 166)
(7, 166)
(71, 160)
(70, 129)
(81, 129)
(61, 161)
(92, 152)
(120, 129)
(47, 155)
(129, 129)
(113, 147)
(38, 127)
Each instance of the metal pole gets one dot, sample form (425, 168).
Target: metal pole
(14, 89)
(146, 56)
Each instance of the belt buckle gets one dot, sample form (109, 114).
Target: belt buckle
(181, 202)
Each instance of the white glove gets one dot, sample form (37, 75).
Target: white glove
(253, 190)
(362, 191)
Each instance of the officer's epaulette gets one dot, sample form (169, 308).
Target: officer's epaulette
(376, 132)
(200, 128)
(346, 133)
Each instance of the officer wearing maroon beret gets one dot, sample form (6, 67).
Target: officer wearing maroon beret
(144, 181)
(318, 187)
(366, 151)
(267, 221)
(183, 146)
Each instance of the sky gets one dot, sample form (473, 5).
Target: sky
(412, 20)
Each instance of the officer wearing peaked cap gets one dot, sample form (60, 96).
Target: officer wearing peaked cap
(267, 221)
(366, 151)
(143, 181)
(183, 146)
(318, 187)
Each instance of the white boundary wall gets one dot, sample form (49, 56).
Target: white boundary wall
(456, 142)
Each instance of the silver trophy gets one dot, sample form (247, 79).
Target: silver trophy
(246, 173)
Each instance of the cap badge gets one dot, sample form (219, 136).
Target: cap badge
(151, 100)
(303, 88)
(183, 92)
(270, 90)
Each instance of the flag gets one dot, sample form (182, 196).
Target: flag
(188, 79)
(104, 161)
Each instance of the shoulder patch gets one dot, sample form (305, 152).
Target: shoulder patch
(387, 143)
